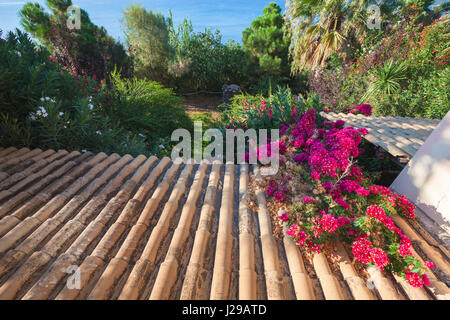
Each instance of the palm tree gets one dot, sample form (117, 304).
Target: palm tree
(322, 27)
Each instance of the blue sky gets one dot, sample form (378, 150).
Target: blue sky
(231, 17)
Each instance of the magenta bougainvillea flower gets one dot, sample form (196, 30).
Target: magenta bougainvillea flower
(365, 109)
(347, 207)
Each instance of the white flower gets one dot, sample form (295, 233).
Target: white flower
(42, 99)
(98, 132)
(42, 112)
(61, 114)
(84, 150)
(47, 98)
(53, 101)
(19, 53)
(161, 146)
(141, 135)
(91, 106)
(32, 117)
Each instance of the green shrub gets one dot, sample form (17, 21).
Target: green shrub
(79, 127)
(248, 111)
(42, 106)
(27, 74)
(405, 73)
(145, 107)
(209, 64)
(353, 88)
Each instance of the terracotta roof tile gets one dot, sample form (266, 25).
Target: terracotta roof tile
(141, 228)
(401, 137)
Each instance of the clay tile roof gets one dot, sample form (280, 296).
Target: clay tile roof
(144, 228)
(400, 136)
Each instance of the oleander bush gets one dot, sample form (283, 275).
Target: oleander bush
(27, 73)
(254, 111)
(44, 106)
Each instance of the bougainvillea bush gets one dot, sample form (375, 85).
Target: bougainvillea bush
(340, 203)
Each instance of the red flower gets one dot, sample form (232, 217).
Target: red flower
(292, 231)
(379, 257)
(270, 191)
(426, 280)
(361, 249)
(315, 175)
(375, 212)
(284, 217)
(308, 200)
(414, 279)
(279, 196)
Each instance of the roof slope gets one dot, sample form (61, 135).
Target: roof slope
(399, 136)
(143, 228)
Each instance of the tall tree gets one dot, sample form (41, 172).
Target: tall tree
(318, 30)
(87, 51)
(147, 34)
(266, 40)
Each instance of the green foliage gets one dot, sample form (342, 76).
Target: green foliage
(27, 74)
(404, 73)
(209, 64)
(207, 120)
(254, 111)
(179, 57)
(387, 79)
(145, 107)
(79, 127)
(44, 106)
(321, 28)
(14, 133)
(265, 39)
(352, 89)
(147, 34)
(89, 51)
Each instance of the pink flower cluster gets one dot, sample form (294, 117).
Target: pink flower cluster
(364, 251)
(365, 109)
(415, 279)
(379, 215)
(328, 152)
(328, 223)
(402, 204)
(284, 217)
(278, 191)
(308, 200)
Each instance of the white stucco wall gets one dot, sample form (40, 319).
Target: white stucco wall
(426, 178)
